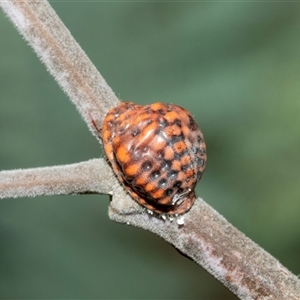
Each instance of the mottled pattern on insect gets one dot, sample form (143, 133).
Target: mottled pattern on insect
(157, 152)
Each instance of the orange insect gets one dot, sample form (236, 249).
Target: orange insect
(158, 153)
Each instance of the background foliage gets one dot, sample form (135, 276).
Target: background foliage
(234, 65)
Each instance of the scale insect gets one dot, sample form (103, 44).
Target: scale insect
(157, 152)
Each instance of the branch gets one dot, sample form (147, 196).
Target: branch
(93, 176)
(66, 61)
(206, 237)
(225, 252)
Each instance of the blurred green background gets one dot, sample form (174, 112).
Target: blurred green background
(235, 66)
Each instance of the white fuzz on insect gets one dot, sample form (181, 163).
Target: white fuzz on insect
(178, 198)
(180, 221)
(171, 218)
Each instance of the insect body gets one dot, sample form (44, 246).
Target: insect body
(158, 153)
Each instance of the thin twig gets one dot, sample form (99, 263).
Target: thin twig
(63, 57)
(93, 176)
(206, 237)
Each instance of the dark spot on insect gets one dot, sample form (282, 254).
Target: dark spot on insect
(199, 161)
(128, 105)
(187, 179)
(172, 174)
(180, 191)
(185, 152)
(177, 184)
(161, 112)
(184, 168)
(175, 138)
(192, 124)
(139, 188)
(194, 149)
(168, 192)
(129, 179)
(146, 165)
(166, 165)
(162, 182)
(202, 151)
(157, 131)
(160, 154)
(163, 123)
(199, 139)
(135, 132)
(177, 155)
(154, 175)
(177, 122)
